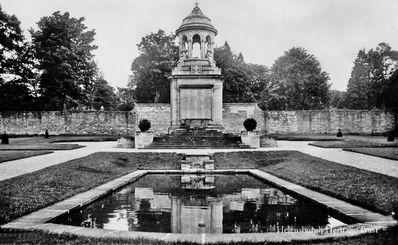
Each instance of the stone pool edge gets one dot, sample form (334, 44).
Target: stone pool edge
(37, 220)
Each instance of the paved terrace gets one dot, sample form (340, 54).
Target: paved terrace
(375, 164)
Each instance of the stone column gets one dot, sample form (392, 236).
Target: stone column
(217, 103)
(190, 48)
(173, 102)
(202, 50)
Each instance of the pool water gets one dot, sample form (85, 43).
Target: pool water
(200, 204)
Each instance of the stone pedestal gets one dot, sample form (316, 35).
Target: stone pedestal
(143, 139)
(251, 139)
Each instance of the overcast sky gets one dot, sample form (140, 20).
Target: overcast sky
(332, 30)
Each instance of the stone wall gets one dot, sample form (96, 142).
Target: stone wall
(74, 123)
(329, 121)
(158, 114)
(125, 123)
(234, 114)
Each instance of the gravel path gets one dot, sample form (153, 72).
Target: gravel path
(375, 164)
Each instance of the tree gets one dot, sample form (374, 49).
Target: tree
(125, 99)
(337, 99)
(64, 50)
(102, 94)
(16, 66)
(152, 68)
(368, 85)
(243, 82)
(298, 82)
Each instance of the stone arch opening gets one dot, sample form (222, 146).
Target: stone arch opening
(184, 42)
(196, 48)
(208, 42)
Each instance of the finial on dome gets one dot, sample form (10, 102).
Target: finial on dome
(196, 10)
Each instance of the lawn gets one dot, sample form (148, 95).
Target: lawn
(352, 144)
(38, 147)
(61, 138)
(14, 155)
(364, 188)
(305, 137)
(389, 153)
(29, 192)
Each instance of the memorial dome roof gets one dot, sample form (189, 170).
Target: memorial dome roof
(196, 20)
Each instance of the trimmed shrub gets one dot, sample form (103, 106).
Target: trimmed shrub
(46, 135)
(4, 139)
(250, 124)
(144, 125)
(390, 136)
(339, 134)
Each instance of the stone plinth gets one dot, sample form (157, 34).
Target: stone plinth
(143, 139)
(251, 138)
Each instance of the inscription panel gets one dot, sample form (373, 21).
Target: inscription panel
(195, 103)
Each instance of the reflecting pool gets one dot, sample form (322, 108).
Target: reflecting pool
(218, 203)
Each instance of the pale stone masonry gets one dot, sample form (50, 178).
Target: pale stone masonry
(125, 123)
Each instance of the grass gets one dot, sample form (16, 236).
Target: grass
(38, 147)
(15, 155)
(360, 187)
(389, 236)
(306, 137)
(42, 143)
(352, 144)
(389, 153)
(61, 138)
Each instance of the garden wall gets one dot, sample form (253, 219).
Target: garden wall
(329, 121)
(115, 123)
(83, 123)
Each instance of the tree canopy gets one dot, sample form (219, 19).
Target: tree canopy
(369, 83)
(152, 68)
(64, 50)
(242, 81)
(298, 82)
(16, 61)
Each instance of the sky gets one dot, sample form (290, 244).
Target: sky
(262, 30)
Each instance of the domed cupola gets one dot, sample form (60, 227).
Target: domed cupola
(196, 36)
(196, 20)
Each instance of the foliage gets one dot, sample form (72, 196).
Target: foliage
(337, 99)
(243, 82)
(102, 94)
(64, 50)
(250, 124)
(144, 125)
(372, 77)
(391, 93)
(390, 136)
(339, 133)
(152, 68)
(16, 61)
(125, 99)
(4, 139)
(298, 82)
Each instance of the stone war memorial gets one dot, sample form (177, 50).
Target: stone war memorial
(196, 106)
(196, 87)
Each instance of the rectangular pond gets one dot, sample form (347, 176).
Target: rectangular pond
(188, 203)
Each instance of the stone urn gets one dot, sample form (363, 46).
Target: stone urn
(250, 137)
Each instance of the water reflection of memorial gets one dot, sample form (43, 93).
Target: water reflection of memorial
(200, 204)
